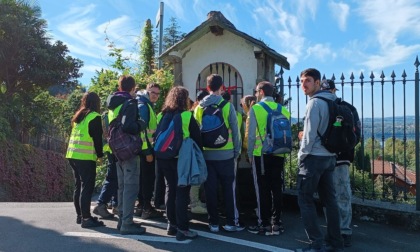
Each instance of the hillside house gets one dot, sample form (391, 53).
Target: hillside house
(404, 180)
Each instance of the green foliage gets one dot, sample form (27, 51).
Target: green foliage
(395, 152)
(104, 83)
(172, 34)
(28, 59)
(147, 50)
(362, 159)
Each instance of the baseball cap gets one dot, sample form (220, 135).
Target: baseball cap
(201, 94)
(328, 85)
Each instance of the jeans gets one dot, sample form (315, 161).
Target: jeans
(343, 194)
(84, 173)
(223, 170)
(128, 173)
(316, 174)
(160, 188)
(177, 197)
(110, 187)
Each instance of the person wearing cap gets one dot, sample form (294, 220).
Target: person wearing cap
(341, 173)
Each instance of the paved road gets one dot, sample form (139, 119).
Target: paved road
(51, 227)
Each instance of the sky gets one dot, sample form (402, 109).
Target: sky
(336, 37)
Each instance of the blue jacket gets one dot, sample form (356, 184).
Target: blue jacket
(192, 169)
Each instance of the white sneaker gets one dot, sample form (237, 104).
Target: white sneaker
(199, 209)
(214, 228)
(235, 228)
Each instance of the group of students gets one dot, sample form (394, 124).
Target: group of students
(316, 164)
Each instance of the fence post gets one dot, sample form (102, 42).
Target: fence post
(416, 102)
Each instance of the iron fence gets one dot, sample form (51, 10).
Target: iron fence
(388, 108)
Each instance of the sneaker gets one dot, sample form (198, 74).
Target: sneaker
(91, 222)
(79, 219)
(161, 207)
(138, 212)
(151, 214)
(236, 228)
(184, 235)
(172, 230)
(132, 229)
(115, 210)
(214, 228)
(101, 210)
(278, 229)
(260, 230)
(347, 240)
(199, 209)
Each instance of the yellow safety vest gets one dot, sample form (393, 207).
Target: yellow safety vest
(151, 129)
(81, 143)
(198, 114)
(261, 117)
(185, 118)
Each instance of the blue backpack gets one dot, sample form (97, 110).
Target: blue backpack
(214, 132)
(278, 138)
(169, 136)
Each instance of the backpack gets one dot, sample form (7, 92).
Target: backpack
(214, 131)
(169, 136)
(278, 138)
(340, 134)
(123, 145)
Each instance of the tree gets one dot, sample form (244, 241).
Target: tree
(172, 34)
(147, 50)
(28, 60)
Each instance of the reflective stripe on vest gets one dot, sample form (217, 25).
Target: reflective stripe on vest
(151, 129)
(81, 143)
(198, 114)
(261, 117)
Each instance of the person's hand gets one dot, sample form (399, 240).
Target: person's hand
(149, 158)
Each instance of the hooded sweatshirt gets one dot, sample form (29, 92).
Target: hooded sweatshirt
(142, 97)
(316, 120)
(233, 126)
(132, 124)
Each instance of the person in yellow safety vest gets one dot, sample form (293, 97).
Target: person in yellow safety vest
(221, 161)
(109, 191)
(128, 171)
(85, 147)
(177, 196)
(268, 184)
(197, 206)
(148, 173)
(246, 103)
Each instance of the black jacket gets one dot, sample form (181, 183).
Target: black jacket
(132, 124)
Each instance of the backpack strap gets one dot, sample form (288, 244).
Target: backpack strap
(222, 104)
(330, 111)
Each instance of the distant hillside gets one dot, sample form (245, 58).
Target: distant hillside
(388, 127)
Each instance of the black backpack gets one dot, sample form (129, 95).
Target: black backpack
(123, 145)
(169, 136)
(340, 134)
(214, 132)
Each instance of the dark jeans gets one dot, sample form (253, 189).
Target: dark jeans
(147, 182)
(110, 187)
(223, 171)
(269, 188)
(177, 197)
(316, 174)
(160, 188)
(84, 173)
